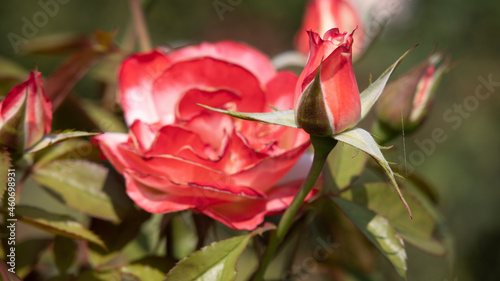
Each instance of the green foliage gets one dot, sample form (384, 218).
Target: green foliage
(214, 262)
(56, 224)
(378, 230)
(344, 165)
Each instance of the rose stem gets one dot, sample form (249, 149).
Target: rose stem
(322, 147)
(140, 25)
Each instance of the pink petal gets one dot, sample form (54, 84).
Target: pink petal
(340, 89)
(274, 168)
(280, 90)
(108, 144)
(248, 214)
(38, 117)
(188, 107)
(154, 201)
(180, 142)
(143, 135)
(136, 78)
(232, 52)
(213, 126)
(205, 74)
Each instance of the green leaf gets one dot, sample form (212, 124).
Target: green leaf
(5, 164)
(56, 224)
(143, 272)
(30, 251)
(86, 187)
(70, 149)
(371, 94)
(283, 117)
(216, 262)
(64, 253)
(382, 199)
(443, 232)
(379, 231)
(361, 139)
(51, 139)
(343, 166)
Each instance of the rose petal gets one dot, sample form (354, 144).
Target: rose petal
(187, 107)
(232, 52)
(248, 214)
(136, 78)
(280, 90)
(205, 74)
(108, 144)
(177, 141)
(214, 127)
(142, 135)
(275, 168)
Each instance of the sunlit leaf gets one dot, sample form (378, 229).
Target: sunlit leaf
(379, 231)
(383, 200)
(56, 224)
(214, 262)
(85, 186)
(143, 272)
(371, 94)
(284, 118)
(362, 140)
(64, 253)
(69, 149)
(51, 139)
(344, 165)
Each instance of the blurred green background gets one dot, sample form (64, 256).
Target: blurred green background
(464, 169)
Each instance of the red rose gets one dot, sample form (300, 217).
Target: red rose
(180, 156)
(25, 114)
(327, 95)
(323, 15)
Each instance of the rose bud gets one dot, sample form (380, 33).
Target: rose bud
(327, 98)
(27, 111)
(322, 15)
(409, 98)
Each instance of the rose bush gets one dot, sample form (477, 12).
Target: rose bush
(178, 155)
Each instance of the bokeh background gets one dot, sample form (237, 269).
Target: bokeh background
(464, 169)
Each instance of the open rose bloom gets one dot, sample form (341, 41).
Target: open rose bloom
(178, 155)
